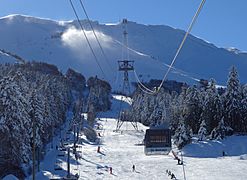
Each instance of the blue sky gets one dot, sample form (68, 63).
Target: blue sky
(222, 22)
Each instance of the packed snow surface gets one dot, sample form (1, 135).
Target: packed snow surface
(121, 150)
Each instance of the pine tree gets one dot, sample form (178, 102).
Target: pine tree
(177, 108)
(202, 133)
(232, 101)
(220, 131)
(15, 122)
(182, 134)
(212, 107)
(193, 108)
(37, 119)
(244, 110)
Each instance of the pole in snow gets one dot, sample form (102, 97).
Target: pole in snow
(68, 164)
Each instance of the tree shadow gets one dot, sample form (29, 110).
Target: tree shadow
(230, 146)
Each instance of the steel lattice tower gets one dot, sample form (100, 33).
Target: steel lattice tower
(125, 66)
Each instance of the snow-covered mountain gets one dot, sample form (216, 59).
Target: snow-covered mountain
(63, 44)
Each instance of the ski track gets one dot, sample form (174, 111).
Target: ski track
(119, 151)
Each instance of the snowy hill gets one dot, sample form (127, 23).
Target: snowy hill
(203, 160)
(61, 43)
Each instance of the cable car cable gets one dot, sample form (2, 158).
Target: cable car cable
(183, 41)
(97, 39)
(180, 47)
(94, 55)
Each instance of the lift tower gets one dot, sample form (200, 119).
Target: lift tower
(125, 65)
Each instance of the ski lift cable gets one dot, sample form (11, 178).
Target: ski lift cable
(181, 72)
(96, 37)
(144, 90)
(84, 33)
(178, 51)
(183, 41)
(141, 84)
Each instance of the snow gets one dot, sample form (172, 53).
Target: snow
(120, 150)
(233, 146)
(111, 24)
(234, 50)
(125, 99)
(198, 59)
(27, 18)
(10, 177)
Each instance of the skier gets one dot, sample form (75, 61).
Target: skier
(110, 170)
(77, 175)
(173, 176)
(98, 150)
(133, 168)
(179, 161)
(76, 156)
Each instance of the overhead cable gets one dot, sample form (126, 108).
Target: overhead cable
(95, 35)
(181, 72)
(178, 51)
(94, 55)
(183, 41)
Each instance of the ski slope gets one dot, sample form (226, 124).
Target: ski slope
(120, 150)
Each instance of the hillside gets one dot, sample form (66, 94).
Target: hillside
(61, 43)
(34, 100)
(203, 160)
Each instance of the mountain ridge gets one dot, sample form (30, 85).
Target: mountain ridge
(61, 43)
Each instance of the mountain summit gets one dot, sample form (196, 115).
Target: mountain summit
(62, 43)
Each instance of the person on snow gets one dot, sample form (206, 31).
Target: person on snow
(133, 168)
(179, 161)
(223, 153)
(169, 173)
(173, 176)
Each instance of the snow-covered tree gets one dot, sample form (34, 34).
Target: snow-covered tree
(99, 94)
(212, 107)
(220, 131)
(182, 134)
(177, 108)
(244, 110)
(193, 108)
(14, 122)
(36, 115)
(232, 101)
(202, 133)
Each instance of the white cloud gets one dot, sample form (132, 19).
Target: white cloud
(75, 40)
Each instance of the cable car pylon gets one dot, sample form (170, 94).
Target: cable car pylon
(125, 65)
